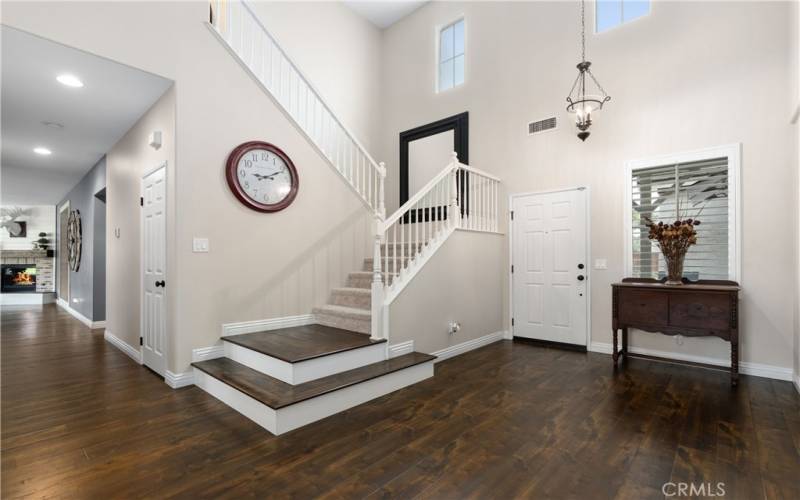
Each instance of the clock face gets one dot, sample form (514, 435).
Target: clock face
(262, 176)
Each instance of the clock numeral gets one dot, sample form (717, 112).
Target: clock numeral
(248, 163)
(255, 156)
(264, 156)
(246, 184)
(266, 198)
(242, 173)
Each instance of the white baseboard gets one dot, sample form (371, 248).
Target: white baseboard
(26, 299)
(178, 380)
(401, 348)
(745, 367)
(135, 354)
(797, 382)
(455, 350)
(262, 325)
(206, 353)
(80, 317)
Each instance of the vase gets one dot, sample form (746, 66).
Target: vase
(674, 268)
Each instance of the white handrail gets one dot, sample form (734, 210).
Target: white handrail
(417, 197)
(260, 53)
(478, 172)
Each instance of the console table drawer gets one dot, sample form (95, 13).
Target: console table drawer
(644, 307)
(709, 311)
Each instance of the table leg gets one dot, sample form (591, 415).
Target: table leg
(625, 342)
(734, 358)
(614, 353)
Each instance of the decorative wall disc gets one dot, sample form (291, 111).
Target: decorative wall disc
(74, 239)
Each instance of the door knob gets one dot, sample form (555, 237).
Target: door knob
(161, 283)
(580, 277)
(580, 266)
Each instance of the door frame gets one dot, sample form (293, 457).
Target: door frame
(146, 173)
(589, 266)
(65, 206)
(459, 124)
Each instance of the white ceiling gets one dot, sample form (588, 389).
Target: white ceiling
(384, 13)
(95, 117)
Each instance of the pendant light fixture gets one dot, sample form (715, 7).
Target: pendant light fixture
(583, 101)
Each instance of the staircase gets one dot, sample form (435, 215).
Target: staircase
(283, 379)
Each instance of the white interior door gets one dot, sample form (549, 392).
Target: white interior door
(549, 280)
(154, 256)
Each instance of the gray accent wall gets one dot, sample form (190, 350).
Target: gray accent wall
(83, 296)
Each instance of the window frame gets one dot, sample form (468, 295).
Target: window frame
(733, 153)
(437, 49)
(622, 22)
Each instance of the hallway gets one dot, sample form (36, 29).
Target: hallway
(81, 420)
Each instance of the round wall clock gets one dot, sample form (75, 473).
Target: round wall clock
(262, 176)
(74, 240)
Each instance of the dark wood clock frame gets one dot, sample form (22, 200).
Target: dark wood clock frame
(233, 180)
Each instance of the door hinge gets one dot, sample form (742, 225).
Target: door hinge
(141, 342)
(512, 268)
(141, 201)
(512, 215)
(512, 321)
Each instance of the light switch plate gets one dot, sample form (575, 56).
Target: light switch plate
(200, 245)
(601, 264)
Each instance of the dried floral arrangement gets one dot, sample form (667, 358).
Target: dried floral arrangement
(674, 240)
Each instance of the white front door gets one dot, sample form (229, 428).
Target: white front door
(549, 278)
(154, 256)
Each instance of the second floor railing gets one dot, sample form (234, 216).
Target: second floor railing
(237, 26)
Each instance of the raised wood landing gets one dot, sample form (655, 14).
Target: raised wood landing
(81, 420)
(302, 343)
(276, 394)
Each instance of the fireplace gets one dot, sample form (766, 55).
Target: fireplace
(19, 278)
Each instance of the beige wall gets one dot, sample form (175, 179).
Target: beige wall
(689, 76)
(794, 63)
(455, 285)
(127, 162)
(259, 265)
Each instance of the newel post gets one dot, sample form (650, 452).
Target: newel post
(376, 328)
(454, 209)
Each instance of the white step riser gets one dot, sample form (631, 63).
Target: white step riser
(306, 412)
(352, 324)
(305, 371)
(349, 299)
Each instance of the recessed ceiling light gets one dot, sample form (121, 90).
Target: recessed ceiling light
(55, 125)
(42, 151)
(70, 81)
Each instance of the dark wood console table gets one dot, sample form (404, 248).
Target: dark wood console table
(694, 309)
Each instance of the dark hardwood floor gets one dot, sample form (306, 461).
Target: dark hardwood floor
(81, 420)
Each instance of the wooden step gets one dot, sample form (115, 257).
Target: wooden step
(302, 343)
(388, 263)
(276, 394)
(300, 354)
(280, 407)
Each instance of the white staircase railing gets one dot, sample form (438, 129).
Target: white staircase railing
(458, 197)
(237, 26)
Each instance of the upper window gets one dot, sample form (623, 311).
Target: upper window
(451, 55)
(701, 186)
(612, 13)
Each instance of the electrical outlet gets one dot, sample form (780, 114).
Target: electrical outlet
(453, 327)
(601, 264)
(200, 245)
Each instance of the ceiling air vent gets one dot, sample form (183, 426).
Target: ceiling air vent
(541, 125)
